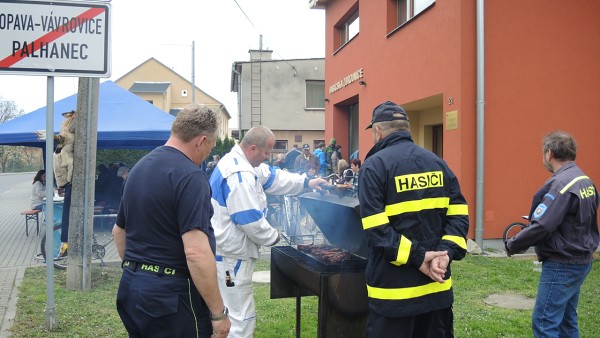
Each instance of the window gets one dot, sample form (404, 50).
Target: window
(407, 9)
(315, 94)
(297, 138)
(347, 29)
(280, 145)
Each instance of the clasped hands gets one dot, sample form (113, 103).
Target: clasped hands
(435, 264)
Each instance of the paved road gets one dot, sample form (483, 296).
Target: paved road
(17, 251)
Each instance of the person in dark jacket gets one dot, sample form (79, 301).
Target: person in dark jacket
(416, 222)
(290, 158)
(564, 231)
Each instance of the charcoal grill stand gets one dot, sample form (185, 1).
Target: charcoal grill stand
(338, 315)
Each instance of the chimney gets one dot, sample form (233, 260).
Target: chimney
(260, 55)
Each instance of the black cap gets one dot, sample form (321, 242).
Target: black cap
(388, 111)
(68, 112)
(305, 146)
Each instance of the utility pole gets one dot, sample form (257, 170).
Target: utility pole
(81, 214)
(193, 79)
(193, 72)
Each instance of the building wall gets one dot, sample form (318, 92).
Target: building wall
(283, 98)
(541, 70)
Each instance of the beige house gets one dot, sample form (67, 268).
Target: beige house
(169, 91)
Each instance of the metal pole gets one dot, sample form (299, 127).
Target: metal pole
(193, 72)
(51, 322)
(480, 125)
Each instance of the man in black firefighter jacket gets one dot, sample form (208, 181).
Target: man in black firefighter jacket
(564, 231)
(416, 221)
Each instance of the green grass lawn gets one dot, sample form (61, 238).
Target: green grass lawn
(93, 313)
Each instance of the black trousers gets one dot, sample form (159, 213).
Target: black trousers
(64, 232)
(435, 324)
(161, 306)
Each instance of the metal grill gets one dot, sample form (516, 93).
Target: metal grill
(340, 287)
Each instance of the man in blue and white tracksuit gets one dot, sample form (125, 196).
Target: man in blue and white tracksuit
(239, 185)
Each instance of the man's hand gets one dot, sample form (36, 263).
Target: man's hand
(278, 238)
(40, 135)
(316, 183)
(439, 266)
(221, 327)
(435, 270)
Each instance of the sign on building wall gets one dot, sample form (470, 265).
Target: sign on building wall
(58, 38)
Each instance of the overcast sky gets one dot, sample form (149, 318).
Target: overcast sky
(165, 30)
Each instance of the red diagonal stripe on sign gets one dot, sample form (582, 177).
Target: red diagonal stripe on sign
(51, 36)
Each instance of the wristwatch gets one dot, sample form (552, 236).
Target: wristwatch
(221, 316)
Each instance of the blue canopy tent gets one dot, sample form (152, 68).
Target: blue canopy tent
(125, 121)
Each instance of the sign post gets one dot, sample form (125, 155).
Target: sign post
(58, 38)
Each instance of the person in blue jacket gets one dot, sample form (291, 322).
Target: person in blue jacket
(320, 154)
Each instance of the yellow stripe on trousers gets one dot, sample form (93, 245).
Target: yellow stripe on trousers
(409, 292)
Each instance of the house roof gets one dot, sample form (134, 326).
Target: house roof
(149, 87)
(178, 75)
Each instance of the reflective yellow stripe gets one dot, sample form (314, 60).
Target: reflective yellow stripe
(457, 209)
(418, 205)
(460, 241)
(403, 251)
(414, 206)
(408, 293)
(375, 220)
(571, 183)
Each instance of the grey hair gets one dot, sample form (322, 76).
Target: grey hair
(195, 120)
(388, 127)
(257, 136)
(561, 144)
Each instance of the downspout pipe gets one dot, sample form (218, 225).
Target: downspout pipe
(239, 99)
(479, 189)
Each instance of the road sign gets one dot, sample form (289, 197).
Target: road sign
(58, 38)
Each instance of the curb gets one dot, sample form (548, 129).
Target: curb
(11, 309)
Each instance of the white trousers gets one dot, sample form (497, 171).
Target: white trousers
(239, 297)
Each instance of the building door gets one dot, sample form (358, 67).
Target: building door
(437, 140)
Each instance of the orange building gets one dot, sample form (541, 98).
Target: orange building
(540, 70)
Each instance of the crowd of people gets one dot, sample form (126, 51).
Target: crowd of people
(109, 185)
(189, 240)
(325, 162)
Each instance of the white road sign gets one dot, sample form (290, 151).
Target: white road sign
(58, 38)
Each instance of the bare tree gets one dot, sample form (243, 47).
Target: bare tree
(8, 111)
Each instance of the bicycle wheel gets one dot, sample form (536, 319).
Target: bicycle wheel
(512, 230)
(102, 234)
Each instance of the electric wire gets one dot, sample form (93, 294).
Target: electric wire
(255, 28)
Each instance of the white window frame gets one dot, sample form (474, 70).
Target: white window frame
(408, 9)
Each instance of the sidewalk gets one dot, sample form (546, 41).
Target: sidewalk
(17, 251)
